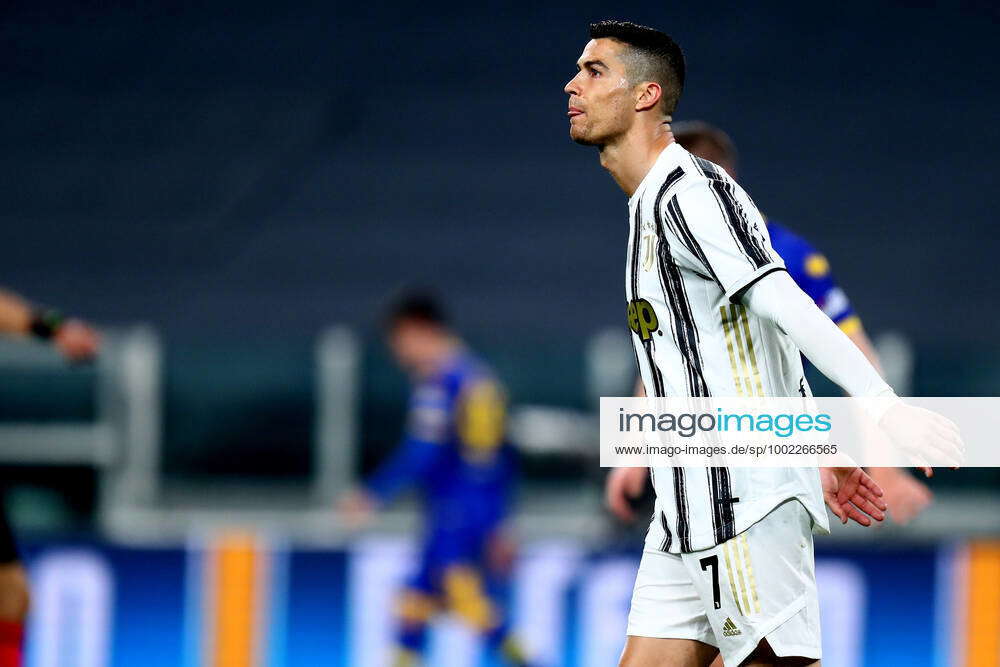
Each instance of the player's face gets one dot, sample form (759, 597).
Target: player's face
(710, 152)
(412, 344)
(601, 102)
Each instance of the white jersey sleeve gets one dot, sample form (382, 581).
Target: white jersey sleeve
(722, 231)
(780, 301)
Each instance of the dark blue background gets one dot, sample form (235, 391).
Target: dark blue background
(254, 171)
(261, 169)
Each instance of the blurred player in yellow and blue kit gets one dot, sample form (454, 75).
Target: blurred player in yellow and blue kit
(456, 451)
(906, 496)
(807, 265)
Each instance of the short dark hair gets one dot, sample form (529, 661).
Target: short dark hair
(418, 306)
(655, 57)
(690, 132)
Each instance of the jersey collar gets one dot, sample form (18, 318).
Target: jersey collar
(667, 156)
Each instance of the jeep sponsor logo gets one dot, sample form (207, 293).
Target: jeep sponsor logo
(642, 318)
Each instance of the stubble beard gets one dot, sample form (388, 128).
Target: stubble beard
(585, 138)
(580, 136)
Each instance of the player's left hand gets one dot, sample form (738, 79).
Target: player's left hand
(925, 435)
(357, 508)
(851, 494)
(501, 552)
(622, 485)
(76, 340)
(907, 495)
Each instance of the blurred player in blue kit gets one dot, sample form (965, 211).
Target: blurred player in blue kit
(455, 450)
(905, 495)
(809, 268)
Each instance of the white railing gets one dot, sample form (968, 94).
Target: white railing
(123, 443)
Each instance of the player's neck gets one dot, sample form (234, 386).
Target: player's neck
(441, 355)
(631, 157)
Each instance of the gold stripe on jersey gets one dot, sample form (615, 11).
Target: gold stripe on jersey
(732, 354)
(732, 581)
(738, 557)
(753, 357)
(734, 320)
(749, 565)
(481, 419)
(737, 329)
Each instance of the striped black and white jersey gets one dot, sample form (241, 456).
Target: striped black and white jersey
(696, 244)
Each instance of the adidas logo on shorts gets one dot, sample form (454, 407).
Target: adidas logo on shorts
(729, 628)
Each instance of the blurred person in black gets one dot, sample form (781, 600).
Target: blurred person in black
(76, 341)
(455, 450)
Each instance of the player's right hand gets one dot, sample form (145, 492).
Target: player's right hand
(851, 493)
(357, 507)
(924, 435)
(501, 552)
(76, 340)
(622, 485)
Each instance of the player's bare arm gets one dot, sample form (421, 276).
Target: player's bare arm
(906, 496)
(75, 340)
(15, 314)
(626, 484)
(860, 338)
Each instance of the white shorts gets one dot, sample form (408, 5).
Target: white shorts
(761, 583)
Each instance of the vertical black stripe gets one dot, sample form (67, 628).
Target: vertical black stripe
(684, 233)
(667, 536)
(683, 524)
(751, 244)
(634, 251)
(671, 180)
(713, 492)
(723, 521)
(633, 284)
(727, 528)
(675, 295)
(716, 181)
(720, 491)
(658, 387)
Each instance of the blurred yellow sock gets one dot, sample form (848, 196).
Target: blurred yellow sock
(406, 658)
(512, 650)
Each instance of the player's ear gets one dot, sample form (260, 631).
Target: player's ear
(649, 93)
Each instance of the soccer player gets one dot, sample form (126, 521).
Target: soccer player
(728, 564)
(455, 449)
(906, 496)
(76, 341)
